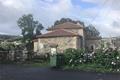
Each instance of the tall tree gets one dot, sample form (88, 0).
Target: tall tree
(63, 20)
(28, 26)
(38, 29)
(91, 31)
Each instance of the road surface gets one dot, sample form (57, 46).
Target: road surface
(15, 72)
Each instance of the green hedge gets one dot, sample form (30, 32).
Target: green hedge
(109, 60)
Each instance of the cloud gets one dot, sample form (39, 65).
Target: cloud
(90, 1)
(104, 14)
(109, 21)
(114, 4)
(42, 10)
(10, 11)
(55, 10)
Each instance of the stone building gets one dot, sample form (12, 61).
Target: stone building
(66, 35)
(111, 42)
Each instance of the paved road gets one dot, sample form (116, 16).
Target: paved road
(13, 72)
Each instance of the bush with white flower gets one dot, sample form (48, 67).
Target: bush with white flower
(107, 59)
(74, 56)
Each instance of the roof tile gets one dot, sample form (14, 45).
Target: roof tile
(67, 25)
(58, 33)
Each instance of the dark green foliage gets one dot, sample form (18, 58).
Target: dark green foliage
(91, 31)
(7, 46)
(108, 59)
(38, 29)
(28, 25)
(73, 56)
(77, 59)
(63, 20)
(29, 28)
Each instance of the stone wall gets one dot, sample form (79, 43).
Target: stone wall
(81, 33)
(43, 44)
(35, 46)
(111, 42)
(93, 43)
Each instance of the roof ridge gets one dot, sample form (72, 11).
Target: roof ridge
(64, 30)
(70, 31)
(66, 25)
(47, 33)
(73, 24)
(60, 32)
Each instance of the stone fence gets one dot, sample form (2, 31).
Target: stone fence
(13, 55)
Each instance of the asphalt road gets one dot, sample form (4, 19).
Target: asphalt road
(14, 72)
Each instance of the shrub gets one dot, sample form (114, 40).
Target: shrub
(73, 56)
(109, 60)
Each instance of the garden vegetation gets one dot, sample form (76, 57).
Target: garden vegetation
(101, 60)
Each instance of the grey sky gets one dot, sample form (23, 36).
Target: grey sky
(104, 14)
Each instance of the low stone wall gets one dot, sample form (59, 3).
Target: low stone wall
(13, 55)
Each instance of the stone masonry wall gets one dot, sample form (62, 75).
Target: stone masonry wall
(94, 43)
(62, 42)
(81, 33)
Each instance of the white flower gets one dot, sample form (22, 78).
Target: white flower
(113, 63)
(118, 70)
(118, 57)
(91, 55)
(80, 61)
(84, 60)
(70, 61)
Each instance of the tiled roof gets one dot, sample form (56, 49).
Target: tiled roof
(67, 25)
(57, 33)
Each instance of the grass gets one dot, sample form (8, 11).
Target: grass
(88, 67)
(44, 64)
(36, 64)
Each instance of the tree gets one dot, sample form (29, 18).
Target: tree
(28, 26)
(91, 31)
(38, 29)
(63, 20)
